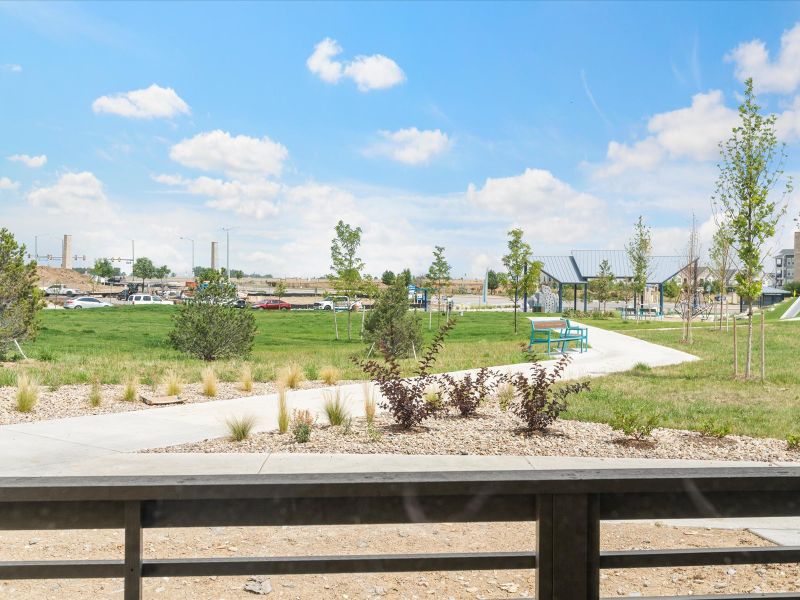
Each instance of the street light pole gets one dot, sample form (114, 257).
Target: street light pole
(190, 240)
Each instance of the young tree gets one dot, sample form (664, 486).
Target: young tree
(103, 268)
(391, 325)
(162, 272)
(602, 286)
(438, 277)
(346, 264)
(210, 327)
(721, 256)
(522, 273)
(20, 298)
(624, 291)
(751, 166)
(671, 289)
(492, 281)
(638, 250)
(406, 276)
(388, 278)
(689, 292)
(280, 290)
(144, 268)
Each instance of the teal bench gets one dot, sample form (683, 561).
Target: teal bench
(557, 333)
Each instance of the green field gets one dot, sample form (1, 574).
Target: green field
(112, 344)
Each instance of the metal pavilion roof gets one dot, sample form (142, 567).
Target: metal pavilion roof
(582, 265)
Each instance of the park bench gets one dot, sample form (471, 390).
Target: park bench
(557, 333)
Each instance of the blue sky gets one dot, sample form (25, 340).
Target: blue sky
(426, 124)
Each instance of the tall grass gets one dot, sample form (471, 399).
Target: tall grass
(369, 402)
(95, 397)
(291, 375)
(283, 409)
(173, 384)
(210, 382)
(130, 389)
(505, 395)
(27, 393)
(240, 428)
(246, 378)
(330, 375)
(335, 406)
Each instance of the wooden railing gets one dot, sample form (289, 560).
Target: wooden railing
(568, 507)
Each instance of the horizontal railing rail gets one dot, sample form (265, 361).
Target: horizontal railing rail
(567, 506)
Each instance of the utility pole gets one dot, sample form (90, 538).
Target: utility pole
(190, 240)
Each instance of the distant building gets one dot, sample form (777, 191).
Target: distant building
(786, 270)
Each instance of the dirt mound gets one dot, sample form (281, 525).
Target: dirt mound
(50, 275)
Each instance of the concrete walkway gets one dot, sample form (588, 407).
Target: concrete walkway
(792, 312)
(28, 448)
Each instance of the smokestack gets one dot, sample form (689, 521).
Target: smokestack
(214, 252)
(66, 252)
(797, 256)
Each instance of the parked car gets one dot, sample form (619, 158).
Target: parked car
(273, 305)
(60, 289)
(330, 302)
(138, 299)
(85, 302)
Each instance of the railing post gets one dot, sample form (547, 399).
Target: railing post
(568, 547)
(133, 550)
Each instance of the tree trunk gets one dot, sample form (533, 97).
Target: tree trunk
(515, 310)
(735, 352)
(335, 321)
(748, 365)
(721, 310)
(763, 350)
(349, 326)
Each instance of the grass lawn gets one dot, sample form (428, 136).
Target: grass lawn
(111, 344)
(78, 346)
(685, 396)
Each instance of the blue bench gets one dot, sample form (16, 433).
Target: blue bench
(557, 333)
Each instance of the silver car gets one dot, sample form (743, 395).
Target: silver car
(85, 302)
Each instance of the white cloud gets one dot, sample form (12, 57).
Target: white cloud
(34, 162)
(411, 146)
(149, 103)
(233, 155)
(544, 205)
(73, 194)
(373, 72)
(691, 133)
(781, 75)
(13, 68)
(7, 184)
(321, 64)
(254, 198)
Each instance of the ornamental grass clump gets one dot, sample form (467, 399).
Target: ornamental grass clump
(369, 402)
(283, 409)
(330, 375)
(172, 383)
(27, 393)
(95, 397)
(130, 389)
(246, 378)
(210, 382)
(240, 428)
(335, 407)
(291, 375)
(506, 393)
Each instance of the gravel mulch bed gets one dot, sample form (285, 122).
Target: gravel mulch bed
(73, 400)
(494, 432)
(378, 539)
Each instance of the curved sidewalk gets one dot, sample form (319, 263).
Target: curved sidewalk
(31, 448)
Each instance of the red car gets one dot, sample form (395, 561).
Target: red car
(273, 305)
